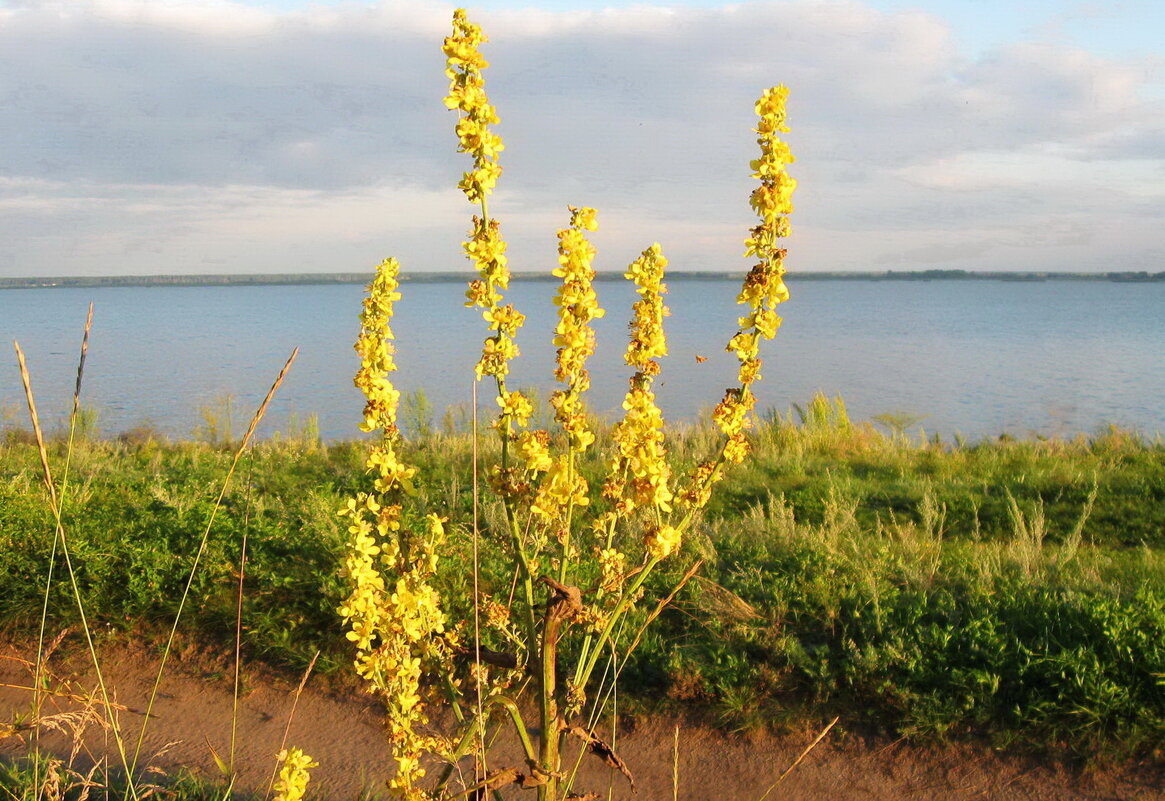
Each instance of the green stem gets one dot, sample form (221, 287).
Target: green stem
(452, 694)
(599, 594)
(467, 737)
(587, 665)
(548, 706)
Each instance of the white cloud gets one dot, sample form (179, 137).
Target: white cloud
(146, 136)
(1043, 169)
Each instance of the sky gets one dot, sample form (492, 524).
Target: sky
(142, 137)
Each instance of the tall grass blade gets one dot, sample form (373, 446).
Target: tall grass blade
(38, 696)
(55, 500)
(246, 441)
(239, 633)
(46, 471)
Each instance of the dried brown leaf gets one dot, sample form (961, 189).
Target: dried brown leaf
(604, 751)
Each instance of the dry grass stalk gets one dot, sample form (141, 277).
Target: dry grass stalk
(246, 441)
(799, 758)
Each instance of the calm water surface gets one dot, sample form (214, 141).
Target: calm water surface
(980, 358)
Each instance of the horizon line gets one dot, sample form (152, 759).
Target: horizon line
(228, 279)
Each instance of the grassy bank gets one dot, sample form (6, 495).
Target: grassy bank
(1008, 589)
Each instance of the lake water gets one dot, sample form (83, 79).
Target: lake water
(976, 357)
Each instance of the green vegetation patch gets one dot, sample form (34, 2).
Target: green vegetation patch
(1013, 589)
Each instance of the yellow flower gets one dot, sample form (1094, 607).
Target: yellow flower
(560, 489)
(749, 371)
(481, 180)
(736, 448)
(504, 319)
(487, 250)
(496, 354)
(771, 108)
(731, 414)
(391, 470)
(516, 406)
(535, 449)
(293, 774)
(481, 294)
(584, 218)
(765, 321)
(662, 541)
(613, 564)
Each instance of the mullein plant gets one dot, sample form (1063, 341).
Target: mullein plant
(393, 613)
(580, 550)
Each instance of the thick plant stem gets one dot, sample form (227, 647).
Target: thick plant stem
(548, 757)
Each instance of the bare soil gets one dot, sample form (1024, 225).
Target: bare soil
(191, 722)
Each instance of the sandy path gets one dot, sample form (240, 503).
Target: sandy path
(343, 733)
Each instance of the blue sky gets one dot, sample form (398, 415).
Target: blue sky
(195, 136)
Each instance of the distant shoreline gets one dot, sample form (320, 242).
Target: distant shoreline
(449, 277)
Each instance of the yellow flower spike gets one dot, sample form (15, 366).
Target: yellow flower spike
(647, 338)
(485, 246)
(398, 633)
(375, 350)
(763, 289)
(577, 305)
(638, 437)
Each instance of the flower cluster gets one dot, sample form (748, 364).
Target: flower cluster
(577, 306)
(374, 346)
(661, 541)
(561, 488)
(763, 290)
(485, 248)
(392, 611)
(613, 565)
(293, 774)
(764, 287)
(463, 66)
(640, 470)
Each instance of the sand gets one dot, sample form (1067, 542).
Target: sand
(191, 722)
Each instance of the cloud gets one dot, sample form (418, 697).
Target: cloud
(146, 136)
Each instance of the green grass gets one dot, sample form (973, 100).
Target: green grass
(1007, 589)
(43, 778)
